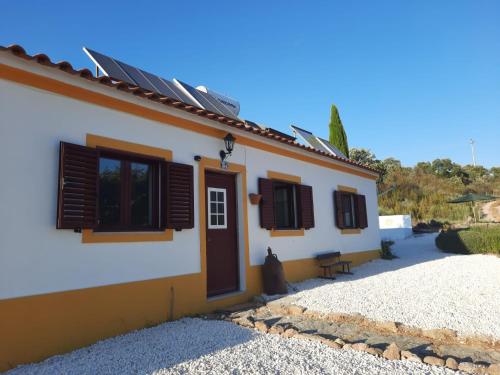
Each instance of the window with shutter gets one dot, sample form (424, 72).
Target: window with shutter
(305, 206)
(339, 211)
(266, 203)
(179, 199)
(77, 193)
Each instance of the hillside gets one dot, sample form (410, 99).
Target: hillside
(424, 189)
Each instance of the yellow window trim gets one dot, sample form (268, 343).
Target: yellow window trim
(350, 231)
(88, 235)
(215, 165)
(79, 93)
(287, 232)
(283, 177)
(347, 189)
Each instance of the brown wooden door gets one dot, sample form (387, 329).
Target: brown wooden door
(222, 244)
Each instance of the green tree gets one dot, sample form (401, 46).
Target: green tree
(338, 137)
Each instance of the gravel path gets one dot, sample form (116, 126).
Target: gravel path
(195, 346)
(423, 288)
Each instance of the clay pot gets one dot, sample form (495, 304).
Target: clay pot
(254, 198)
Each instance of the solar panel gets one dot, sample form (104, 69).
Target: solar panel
(120, 71)
(334, 150)
(309, 139)
(108, 66)
(204, 99)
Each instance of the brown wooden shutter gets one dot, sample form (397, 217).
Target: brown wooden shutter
(361, 217)
(266, 203)
(77, 196)
(305, 209)
(338, 208)
(179, 200)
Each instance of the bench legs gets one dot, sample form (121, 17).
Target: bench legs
(327, 273)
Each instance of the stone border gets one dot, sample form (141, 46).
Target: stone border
(438, 336)
(242, 315)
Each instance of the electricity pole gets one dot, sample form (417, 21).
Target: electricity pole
(473, 152)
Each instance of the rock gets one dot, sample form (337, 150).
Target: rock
(392, 352)
(451, 363)
(276, 308)
(332, 344)
(374, 351)
(261, 326)
(494, 369)
(339, 341)
(347, 346)
(244, 321)
(442, 334)
(295, 310)
(471, 368)
(434, 361)
(290, 332)
(388, 326)
(360, 346)
(276, 330)
(409, 356)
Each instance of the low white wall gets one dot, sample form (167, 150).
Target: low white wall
(395, 227)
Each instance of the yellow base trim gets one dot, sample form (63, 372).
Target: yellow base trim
(34, 328)
(347, 189)
(283, 177)
(287, 233)
(88, 235)
(350, 231)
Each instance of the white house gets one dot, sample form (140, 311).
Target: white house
(117, 213)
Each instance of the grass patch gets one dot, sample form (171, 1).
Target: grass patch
(475, 240)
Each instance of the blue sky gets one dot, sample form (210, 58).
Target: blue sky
(412, 79)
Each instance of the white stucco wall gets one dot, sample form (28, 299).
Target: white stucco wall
(395, 227)
(36, 258)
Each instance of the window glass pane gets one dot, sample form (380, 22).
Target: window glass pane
(141, 194)
(220, 208)
(109, 191)
(220, 196)
(213, 219)
(221, 219)
(213, 208)
(283, 201)
(348, 210)
(213, 196)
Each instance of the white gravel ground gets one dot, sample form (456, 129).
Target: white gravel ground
(423, 288)
(195, 346)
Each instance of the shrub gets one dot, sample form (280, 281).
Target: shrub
(385, 250)
(474, 240)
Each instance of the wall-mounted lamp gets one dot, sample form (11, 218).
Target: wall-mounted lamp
(229, 144)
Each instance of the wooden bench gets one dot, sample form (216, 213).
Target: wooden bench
(329, 261)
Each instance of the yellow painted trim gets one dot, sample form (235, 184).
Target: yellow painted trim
(99, 141)
(88, 235)
(350, 231)
(283, 177)
(35, 80)
(287, 232)
(36, 327)
(347, 189)
(214, 164)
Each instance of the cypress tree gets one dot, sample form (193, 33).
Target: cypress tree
(338, 137)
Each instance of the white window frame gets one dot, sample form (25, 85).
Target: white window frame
(209, 201)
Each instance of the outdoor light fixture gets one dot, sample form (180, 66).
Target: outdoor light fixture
(229, 144)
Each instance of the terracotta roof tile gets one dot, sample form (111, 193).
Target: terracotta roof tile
(85, 73)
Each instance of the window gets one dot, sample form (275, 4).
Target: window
(349, 210)
(128, 192)
(217, 207)
(285, 207)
